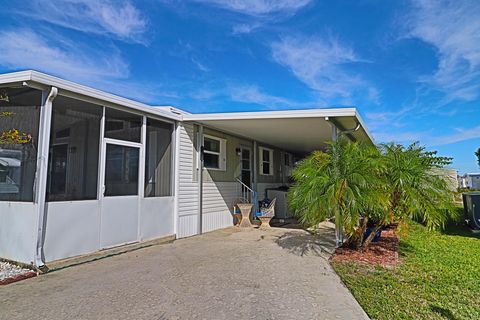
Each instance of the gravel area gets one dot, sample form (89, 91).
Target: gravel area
(226, 274)
(9, 270)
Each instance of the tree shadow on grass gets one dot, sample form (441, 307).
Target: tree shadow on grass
(406, 248)
(460, 230)
(446, 313)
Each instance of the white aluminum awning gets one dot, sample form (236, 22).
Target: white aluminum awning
(298, 131)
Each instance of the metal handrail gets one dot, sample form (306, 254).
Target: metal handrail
(244, 185)
(248, 194)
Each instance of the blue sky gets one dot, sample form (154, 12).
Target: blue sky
(412, 68)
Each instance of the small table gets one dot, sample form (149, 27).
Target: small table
(265, 221)
(245, 209)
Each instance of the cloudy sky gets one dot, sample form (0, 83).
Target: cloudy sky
(412, 68)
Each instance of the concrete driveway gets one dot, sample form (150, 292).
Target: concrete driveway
(227, 274)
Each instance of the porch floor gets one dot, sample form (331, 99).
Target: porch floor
(226, 274)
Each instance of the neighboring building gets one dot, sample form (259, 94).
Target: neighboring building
(102, 171)
(450, 176)
(470, 181)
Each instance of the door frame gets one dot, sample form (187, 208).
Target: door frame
(141, 179)
(250, 161)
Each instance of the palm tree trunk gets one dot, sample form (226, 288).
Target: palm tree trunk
(372, 234)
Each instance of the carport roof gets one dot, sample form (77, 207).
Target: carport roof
(299, 131)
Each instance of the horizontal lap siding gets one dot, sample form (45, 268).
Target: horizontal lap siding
(218, 199)
(187, 196)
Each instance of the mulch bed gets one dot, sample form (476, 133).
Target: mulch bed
(18, 278)
(382, 253)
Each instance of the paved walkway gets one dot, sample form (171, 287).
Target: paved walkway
(227, 274)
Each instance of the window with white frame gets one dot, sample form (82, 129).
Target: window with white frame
(287, 157)
(214, 155)
(266, 161)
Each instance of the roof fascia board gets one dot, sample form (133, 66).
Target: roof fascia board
(367, 132)
(42, 81)
(317, 113)
(13, 77)
(97, 94)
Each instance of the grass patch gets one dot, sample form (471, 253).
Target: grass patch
(439, 278)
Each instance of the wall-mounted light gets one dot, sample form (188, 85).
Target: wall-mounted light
(238, 151)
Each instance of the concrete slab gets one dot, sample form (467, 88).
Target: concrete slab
(226, 274)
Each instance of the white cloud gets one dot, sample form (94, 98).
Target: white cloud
(260, 7)
(24, 49)
(245, 28)
(118, 18)
(459, 134)
(253, 94)
(430, 138)
(322, 65)
(102, 69)
(453, 28)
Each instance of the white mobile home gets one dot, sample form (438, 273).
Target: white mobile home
(86, 170)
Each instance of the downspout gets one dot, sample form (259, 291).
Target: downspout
(42, 171)
(200, 177)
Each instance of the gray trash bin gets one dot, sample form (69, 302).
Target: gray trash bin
(471, 209)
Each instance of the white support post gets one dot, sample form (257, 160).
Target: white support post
(141, 174)
(255, 175)
(338, 222)
(176, 173)
(42, 171)
(200, 177)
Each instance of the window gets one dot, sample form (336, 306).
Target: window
(74, 150)
(158, 161)
(287, 159)
(121, 170)
(214, 153)
(122, 125)
(266, 161)
(19, 122)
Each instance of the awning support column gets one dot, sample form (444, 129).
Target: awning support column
(200, 165)
(338, 220)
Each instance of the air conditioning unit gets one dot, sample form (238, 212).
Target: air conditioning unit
(281, 207)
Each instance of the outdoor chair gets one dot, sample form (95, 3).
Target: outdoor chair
(266, 214)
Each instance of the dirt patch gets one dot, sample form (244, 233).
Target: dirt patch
(383, 253)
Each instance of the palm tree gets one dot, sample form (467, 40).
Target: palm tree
(416, 187)
(344, 183)
(362, 186)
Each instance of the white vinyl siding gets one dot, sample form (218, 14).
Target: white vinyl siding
(187, 186)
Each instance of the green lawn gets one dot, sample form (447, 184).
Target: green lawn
(439, 278)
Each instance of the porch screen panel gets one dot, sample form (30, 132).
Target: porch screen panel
(122, 125)
(74, 150)
(158, 162)
(19, 122)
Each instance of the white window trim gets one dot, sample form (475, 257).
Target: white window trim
(290, 159)
(222, 155)
(270, 161)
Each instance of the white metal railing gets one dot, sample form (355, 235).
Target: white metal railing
(247, 194)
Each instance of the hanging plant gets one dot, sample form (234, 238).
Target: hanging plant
(13, 136)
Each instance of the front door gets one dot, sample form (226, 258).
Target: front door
(246, 166)
(119, 218)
